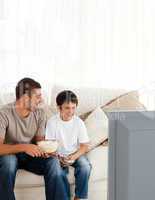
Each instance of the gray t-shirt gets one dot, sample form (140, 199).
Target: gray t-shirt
(15, 129)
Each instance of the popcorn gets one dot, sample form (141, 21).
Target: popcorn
(48, 146)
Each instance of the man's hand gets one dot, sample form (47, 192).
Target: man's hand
(32, 150)
(48, 155)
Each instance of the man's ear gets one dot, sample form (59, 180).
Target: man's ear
(26, 97)
(58, 108)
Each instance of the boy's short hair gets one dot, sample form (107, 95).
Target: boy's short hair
(66, 96)
(25, 86)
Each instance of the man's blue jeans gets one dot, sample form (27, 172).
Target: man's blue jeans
(82, 171)
(56, 183)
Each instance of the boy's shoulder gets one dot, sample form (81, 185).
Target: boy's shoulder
(78, 119)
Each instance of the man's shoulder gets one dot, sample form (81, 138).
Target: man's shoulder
(40, 113)
(53, 118)
(6, 111)
(7, 108)
(39, 110)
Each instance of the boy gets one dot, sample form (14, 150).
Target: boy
(71, 132)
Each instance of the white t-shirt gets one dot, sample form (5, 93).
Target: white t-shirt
(69, 133)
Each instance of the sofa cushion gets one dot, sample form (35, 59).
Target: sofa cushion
(97, 157)
(47, 110)
(6, 98)
(89, 98)
(97, 127)
(28, 179)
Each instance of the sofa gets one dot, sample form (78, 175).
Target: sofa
(29, 186)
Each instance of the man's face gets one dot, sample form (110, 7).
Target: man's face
(35, 99)
(67, 110)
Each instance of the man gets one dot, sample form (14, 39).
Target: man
(22, 124)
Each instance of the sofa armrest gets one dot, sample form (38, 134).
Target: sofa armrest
(105, 142)
(98, 157)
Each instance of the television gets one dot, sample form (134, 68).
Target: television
(131, 155)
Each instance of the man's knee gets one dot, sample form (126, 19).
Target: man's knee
(8, 165)
(53, 166)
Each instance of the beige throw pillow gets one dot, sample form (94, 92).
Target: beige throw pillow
(97, 127)
(127, 102)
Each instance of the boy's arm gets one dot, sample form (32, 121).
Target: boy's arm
(83, 141)
(81, 151)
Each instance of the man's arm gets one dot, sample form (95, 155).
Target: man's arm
(30, 149)
(38, 138)
(40, 134)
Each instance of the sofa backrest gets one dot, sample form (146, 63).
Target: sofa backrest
(89, 99)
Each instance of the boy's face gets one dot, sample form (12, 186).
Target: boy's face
(67, 110)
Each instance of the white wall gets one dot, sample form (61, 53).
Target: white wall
(99, 43)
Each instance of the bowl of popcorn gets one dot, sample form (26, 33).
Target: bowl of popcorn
(48, 146)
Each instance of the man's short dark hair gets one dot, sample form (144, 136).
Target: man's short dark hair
(66, 96)
(25, 86)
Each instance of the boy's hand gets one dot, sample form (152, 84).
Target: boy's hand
(72, 157)
(82, 150)
(65, 161)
